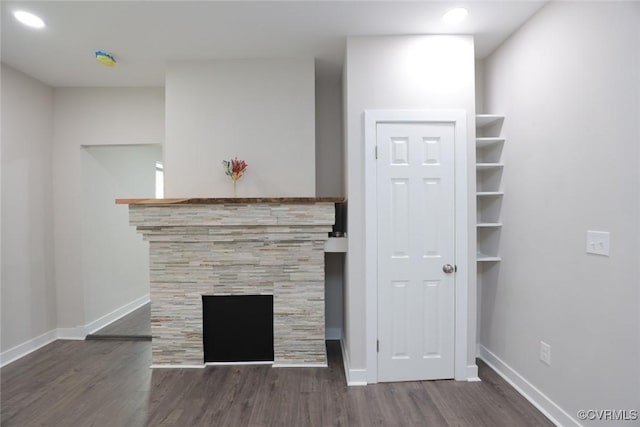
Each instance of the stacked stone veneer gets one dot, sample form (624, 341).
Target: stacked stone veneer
(236, 249)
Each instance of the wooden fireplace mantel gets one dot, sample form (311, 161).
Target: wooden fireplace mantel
(230, 200)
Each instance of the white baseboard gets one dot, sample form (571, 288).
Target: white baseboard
(116, 314)
(333, 333)
(355, 377)
(21, 350)
(472, 373)
(77, 333)
(538, 399)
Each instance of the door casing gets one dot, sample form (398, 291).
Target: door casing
(459, 119)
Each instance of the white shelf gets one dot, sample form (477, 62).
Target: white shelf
(336, 244)
(487, 258)
(483, 120)
(490, 194)
(480, 166)
(489, 149)
(489, 224)
(487, 142)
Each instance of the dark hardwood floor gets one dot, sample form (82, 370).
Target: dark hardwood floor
(136, 324)
(109, 383)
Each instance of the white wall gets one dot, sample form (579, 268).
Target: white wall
(28, 288)
(115, 259)
(398, 72)
(479, 66)
(329, 177)
(261, 111)
(86, 117)
(568, 83)
(329, 147)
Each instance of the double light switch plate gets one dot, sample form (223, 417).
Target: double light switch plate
(598, 242)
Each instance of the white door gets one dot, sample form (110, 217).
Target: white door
(416, 236)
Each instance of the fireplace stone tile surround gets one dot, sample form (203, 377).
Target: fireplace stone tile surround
(236, 247)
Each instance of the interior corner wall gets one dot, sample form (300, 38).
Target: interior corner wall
(115, 258)
(479, 75)
(329, 150)
(567, 83)
(259, 110)
(346, 301)
(400, 72)
(28, 288)
(87, 117)
(329, 173)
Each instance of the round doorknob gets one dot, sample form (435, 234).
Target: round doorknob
(448, 268)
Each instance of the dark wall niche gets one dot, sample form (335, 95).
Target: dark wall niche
(237, 328)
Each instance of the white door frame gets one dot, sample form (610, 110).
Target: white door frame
(459, 119)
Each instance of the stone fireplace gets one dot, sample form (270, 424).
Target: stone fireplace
(202, 247)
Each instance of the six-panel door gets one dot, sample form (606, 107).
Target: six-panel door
(416, 236)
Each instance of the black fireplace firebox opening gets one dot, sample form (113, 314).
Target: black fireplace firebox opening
(237, 328)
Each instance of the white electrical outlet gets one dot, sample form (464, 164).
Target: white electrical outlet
(598, 242)
(545, 353)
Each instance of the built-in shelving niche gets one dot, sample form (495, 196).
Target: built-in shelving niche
(489, 191)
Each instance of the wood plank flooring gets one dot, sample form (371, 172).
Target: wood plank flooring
(136, 324)
(109, 383)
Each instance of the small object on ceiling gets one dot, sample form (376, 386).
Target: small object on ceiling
(105, 58)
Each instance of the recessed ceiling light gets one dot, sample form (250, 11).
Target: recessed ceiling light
(455, 16)
(29, 19)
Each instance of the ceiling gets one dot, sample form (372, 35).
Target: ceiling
(144, 35)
